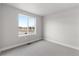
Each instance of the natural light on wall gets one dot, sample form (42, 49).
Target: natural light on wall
(26, 25)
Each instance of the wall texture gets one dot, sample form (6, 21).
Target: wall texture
(63, 27)
(10, 28)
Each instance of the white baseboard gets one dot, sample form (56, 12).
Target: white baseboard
(60, 43)
(13, 46)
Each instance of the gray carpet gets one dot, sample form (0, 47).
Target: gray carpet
(41, 48)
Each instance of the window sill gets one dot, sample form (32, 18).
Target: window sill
(26, 35)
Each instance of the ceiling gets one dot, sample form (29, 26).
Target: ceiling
(43, 9)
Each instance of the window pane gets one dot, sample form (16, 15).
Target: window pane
(32, 24)
(23, 20)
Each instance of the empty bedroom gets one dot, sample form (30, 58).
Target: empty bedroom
(39, 29)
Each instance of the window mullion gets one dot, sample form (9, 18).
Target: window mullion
(28, 25)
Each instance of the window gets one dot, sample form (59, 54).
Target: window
(26, 24)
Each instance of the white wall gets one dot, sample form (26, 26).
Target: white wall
(0, 26)
(10, 28)
(63, 27)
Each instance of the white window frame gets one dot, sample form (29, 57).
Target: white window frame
(28, 26)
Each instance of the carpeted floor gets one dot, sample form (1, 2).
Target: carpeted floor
(41, 48)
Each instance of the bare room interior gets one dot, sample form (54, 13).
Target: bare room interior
(39, 29)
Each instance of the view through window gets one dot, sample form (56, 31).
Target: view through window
(27, 24)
